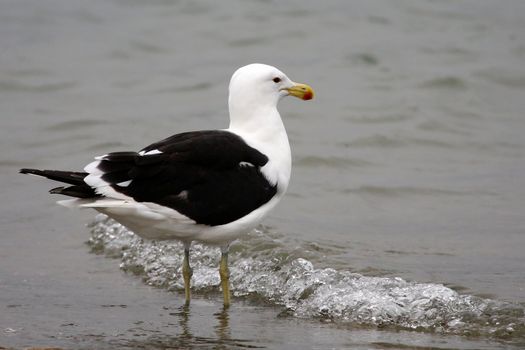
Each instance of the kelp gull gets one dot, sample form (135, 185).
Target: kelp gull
(210, 186)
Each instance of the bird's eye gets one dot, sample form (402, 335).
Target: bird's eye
(276, 80)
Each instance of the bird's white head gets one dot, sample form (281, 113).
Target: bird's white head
(257, 88)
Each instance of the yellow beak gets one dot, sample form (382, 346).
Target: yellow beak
(302, 91)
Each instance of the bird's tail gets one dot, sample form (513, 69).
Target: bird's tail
(79, 188)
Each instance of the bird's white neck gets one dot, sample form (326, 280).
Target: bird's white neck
(255, 120)
(262, 128)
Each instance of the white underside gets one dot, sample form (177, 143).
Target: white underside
(152, 221)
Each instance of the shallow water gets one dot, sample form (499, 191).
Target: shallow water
(403, 225)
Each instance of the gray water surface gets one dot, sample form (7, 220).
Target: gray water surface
(403, 225)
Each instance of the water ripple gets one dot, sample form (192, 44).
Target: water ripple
(389, 141)
(333, 162)
(448, 83)
(384, 191)
(19, 87)
(507, 78)
(77, 124)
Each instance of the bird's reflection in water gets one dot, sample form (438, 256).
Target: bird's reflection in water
(189, 338)
(184, 316)
(222, 329)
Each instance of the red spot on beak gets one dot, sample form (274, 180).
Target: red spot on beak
(308, 96)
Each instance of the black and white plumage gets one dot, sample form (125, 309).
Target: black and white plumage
(211, 186)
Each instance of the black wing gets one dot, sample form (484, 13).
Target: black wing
(212, 177)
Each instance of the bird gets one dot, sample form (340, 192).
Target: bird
(208, 186)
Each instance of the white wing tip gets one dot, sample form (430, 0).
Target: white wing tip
(124, 183)
(150, 153)
(101, 157)
(92, 168)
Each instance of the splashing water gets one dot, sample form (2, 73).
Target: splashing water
(263, 269)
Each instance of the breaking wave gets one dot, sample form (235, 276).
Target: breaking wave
(264, 270)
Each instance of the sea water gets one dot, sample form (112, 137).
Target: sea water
(403, 224)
